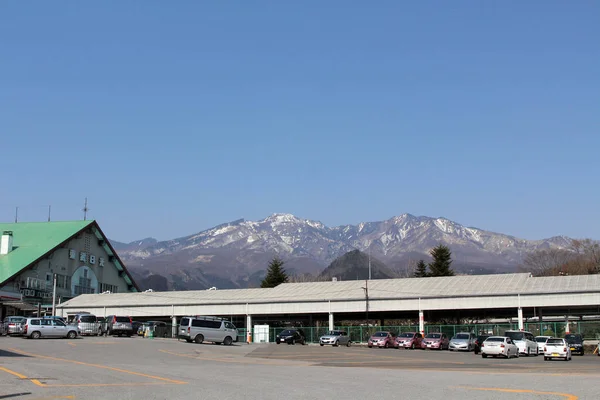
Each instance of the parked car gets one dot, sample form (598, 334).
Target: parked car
(575, 342)
(524, 341)
(478, 342)
(207, 328)
(13, 326)
(116, 325)
(35, 328)
(87, 324)
(435, 341)
(291, 336)
(541, 341)
(557, 348)
(499, 346)
(335, 338)
(462, 341)
(159, 328)
(409, 340)
(382, 339)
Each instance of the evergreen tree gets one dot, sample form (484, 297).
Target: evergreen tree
(442, 258)
(275, 274)
(421, 270)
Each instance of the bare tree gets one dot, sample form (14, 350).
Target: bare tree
(543, 262)
(581, 258)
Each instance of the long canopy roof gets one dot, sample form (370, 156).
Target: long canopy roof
(409, 288)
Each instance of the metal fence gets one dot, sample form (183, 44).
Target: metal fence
(590, 330)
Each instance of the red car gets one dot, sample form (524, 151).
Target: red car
(381, 339)
(409, 340)
(435, 341)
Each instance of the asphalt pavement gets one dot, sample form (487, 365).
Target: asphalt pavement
(138, 368)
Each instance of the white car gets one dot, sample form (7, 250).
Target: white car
(524, 341)
(541, 341)
(499, 346)
(557, 348)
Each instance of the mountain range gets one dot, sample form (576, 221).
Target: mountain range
(236, 254)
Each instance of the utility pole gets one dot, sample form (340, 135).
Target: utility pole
(54, 296)
(49, 212)
(366, 289)
(16, 215)
(369, 262)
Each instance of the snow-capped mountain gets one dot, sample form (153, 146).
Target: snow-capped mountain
(236, 254)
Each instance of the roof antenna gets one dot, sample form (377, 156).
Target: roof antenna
(16, 215)
(85, 210)
(49, 212)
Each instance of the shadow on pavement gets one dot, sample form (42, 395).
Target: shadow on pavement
(4, 353)
(11, 396)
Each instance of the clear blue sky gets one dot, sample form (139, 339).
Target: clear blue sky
(174, 118)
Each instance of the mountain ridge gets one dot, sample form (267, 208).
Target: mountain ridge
(234, 253)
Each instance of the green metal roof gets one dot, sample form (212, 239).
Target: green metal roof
(32, 240)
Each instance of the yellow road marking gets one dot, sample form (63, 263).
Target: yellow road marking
(565, 395)
(125, 371)
(21, 376)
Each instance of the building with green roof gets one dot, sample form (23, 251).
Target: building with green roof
(76, 253)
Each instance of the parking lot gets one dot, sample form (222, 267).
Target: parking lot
(138, 368)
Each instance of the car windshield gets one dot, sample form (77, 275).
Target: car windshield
(380, 334)
(495, 339)
(573, 339)
(462, 336)
(433, 336)
(515, 335)
(555, 341)
(287, 332)
(408, 335)
(541, 339)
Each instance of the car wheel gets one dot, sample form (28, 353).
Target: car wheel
(199, 338)
(348, 343)
(321, 344)
(483, 355)
(412, 346)
(370, 346)
(71, 335)
(336, 344)
(36, 335)
(545, 358)
(293, 341)
(228, 341)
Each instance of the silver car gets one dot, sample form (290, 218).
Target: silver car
(335, 338)
(13, 325)
(463, 341)
(36, 328)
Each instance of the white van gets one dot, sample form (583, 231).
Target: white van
(525, 341)
(210, 329)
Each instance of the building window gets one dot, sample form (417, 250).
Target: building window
(105, 287)
(85, 284)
